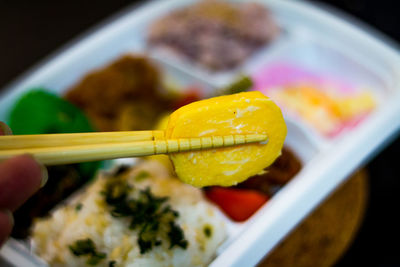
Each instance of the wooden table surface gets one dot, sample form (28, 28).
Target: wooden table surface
(325, 235)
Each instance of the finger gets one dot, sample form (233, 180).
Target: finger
(20, 177)
(6, 224)
(4, 129)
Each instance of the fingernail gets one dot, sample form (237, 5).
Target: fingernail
(45, 175)
(43, 171)
(4, 129)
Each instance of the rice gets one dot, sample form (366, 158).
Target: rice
(88, 217)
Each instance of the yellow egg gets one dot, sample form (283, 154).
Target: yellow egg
(162, 122)
(244, 113)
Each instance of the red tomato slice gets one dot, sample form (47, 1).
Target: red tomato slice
(238, 204)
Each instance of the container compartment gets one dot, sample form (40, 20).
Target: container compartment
(298, 140)
(327, 61)
(172, 79)
(305, 147)
(321, 86)
(168, 45)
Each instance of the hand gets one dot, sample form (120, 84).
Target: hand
(20, 178)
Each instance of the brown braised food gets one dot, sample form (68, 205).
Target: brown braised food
(124, 95)
(278, 174)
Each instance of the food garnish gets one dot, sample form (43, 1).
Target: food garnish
(141, 176)
(86, 247)
(152, 216)
(241, 84)
(207, 230)
(78, 207)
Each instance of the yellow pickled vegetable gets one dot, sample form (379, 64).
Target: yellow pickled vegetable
(243, 113)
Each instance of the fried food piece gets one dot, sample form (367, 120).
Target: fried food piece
(121, 96)
(244, 113)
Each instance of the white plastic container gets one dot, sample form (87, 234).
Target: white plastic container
(313, 38)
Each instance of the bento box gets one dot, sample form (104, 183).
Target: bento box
(314, 58)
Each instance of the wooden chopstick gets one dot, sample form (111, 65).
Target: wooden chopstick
(101, 151)
(75, 139)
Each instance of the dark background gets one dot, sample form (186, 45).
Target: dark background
(31, 30)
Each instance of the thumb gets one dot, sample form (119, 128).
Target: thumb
(20, 178)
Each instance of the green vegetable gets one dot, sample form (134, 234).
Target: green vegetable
(141, 176)
(176, 236)
(149, 214)
(207, 229)
(121, 169)
(78, 206)
(242, 84)
(41, 112)
(86, 247)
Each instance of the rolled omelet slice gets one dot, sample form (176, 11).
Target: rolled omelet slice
(243, 113)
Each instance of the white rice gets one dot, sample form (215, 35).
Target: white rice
(111, 235)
